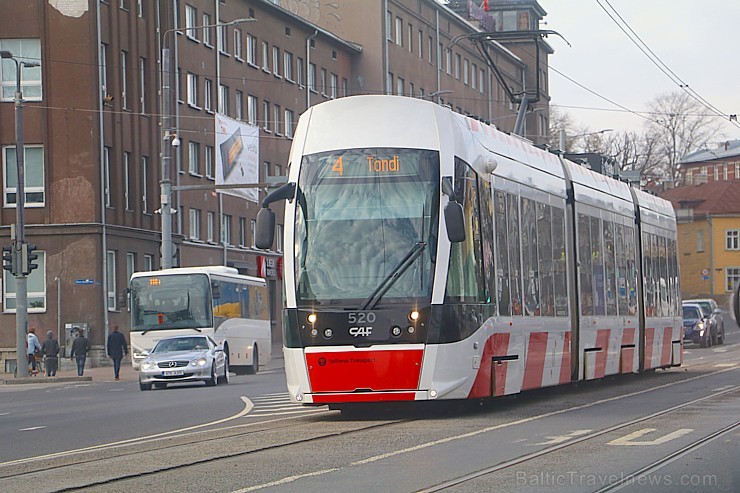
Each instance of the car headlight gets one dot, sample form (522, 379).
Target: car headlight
(148, 365)
(199, 362)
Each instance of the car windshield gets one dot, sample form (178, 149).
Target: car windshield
(181, 344)
(691, 312)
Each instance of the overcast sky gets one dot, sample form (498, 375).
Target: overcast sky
(698, 40)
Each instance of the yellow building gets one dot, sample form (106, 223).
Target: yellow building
(708, 238)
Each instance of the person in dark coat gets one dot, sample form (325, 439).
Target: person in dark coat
(117, 348)
(50, 348)
(80, 348)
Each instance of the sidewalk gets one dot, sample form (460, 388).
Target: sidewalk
(98, 375)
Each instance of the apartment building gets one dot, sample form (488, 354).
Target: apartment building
(97, 130)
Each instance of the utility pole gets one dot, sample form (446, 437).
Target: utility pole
(21, 281)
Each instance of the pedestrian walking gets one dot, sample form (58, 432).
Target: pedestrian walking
(117, 348)
(80, 348)
(50, 349)
(33, 346)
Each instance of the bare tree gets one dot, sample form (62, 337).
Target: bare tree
(679, 126)
(562, 122)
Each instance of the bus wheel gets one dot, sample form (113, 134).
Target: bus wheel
(255, 366)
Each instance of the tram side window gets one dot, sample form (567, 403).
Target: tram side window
(649, 275)
(465, 275)
(486, 207)
(597, 264)
(584, 269)
(673, 273)
(530, 264)
(663, 276)
(560, 277)
(545, 247)
(514, 254)
(610, 268)
(503, 291)
(621, 274)
(631, 254)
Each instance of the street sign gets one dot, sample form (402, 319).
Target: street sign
(84, 281)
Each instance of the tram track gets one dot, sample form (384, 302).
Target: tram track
(591, 436)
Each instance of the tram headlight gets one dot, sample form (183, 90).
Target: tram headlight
(312, 317)
(414, 316)
(396, 331)
(328, 333)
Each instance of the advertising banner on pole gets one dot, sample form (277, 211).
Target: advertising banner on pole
(237, 156)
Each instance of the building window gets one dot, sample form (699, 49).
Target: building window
(253, 230)
(700, 241)
(265, 56)
(191, 21)
(207, 30)
(732, 277)
(448, 62)
(226, 229)
(239, 98)
(144, 184)
(458, 58)
(211, 227)
(399, 31)
(106, 178)
(192, 90)
(400, 89)
(288, 65)
(279, 238)
(725, 174)
(251, 50)
(388, 21)
(28, 50)
(242, 232)
(276, 110)
(323, 81)
(410, 38)
(420, 42)
(33, 174)
(140, 8)
(142, 84)
(208, 95)
(111, 279)
(103, 71)
(126, 180)
(223, 39)
(238, 44)
(148, 262)
(732, 239)
(209, 161)
(194, 224)
(312, 77)
(474, 76)
(482, 81)
(223, 99)
(193, 165)
(289, 123)
(276, 61)
(333, 83)
(252, 110)
(130, 269)
(299, 71)
(124, 77)
(35, 288)
(266, 113)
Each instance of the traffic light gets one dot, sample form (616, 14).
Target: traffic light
(28, 256)
(10, 259)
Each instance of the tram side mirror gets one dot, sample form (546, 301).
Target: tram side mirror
(454, 215)
(264, 230)
(455, 220)
(215, 290)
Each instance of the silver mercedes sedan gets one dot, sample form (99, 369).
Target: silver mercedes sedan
(184, 359)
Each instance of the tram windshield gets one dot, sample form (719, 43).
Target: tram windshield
(359, 212)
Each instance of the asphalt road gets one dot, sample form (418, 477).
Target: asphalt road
(673, 430)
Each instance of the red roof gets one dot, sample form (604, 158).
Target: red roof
(716, 197)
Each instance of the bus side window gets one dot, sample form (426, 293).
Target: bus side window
(216, 290)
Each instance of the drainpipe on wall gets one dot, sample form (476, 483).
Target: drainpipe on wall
(104, 245)
(711, 255)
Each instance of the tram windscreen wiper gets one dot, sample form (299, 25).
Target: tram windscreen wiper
(393, 276)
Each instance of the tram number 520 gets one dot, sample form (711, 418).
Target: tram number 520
(356, 318)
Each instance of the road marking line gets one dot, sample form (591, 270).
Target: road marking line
(289, 479)
(115, 390)
(564, 438)
(33, 428)
(4, 414)
(630, 439)
(247, 407)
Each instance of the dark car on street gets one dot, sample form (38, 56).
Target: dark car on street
(696, 325)
(716, 319)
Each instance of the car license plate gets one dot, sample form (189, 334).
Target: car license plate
(173, 373)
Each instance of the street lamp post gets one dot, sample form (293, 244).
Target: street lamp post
(21, 282)
(165, 183)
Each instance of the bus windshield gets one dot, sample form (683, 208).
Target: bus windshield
(359, 213)
(171, 302)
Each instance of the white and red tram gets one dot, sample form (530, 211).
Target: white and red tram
(430, 256)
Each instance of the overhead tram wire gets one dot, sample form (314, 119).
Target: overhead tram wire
(655, 59)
